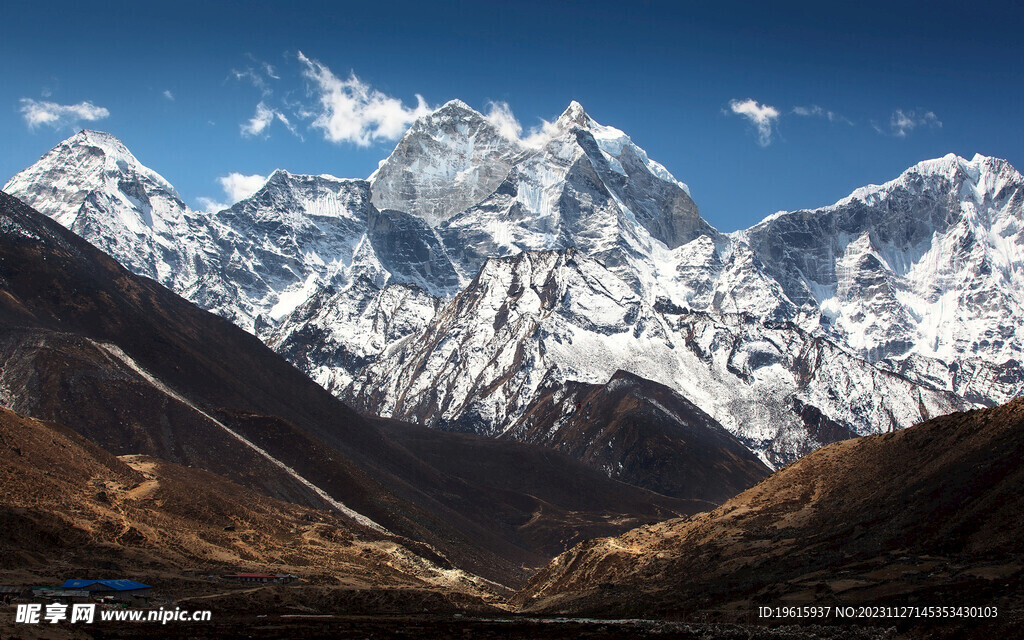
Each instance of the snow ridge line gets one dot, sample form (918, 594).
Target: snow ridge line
(118, 353)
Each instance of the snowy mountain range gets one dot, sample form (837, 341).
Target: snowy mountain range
(474, 272)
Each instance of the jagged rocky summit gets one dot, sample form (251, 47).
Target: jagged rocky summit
(474, 272)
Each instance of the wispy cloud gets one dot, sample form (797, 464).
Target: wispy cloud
(255, 77)
(262, 119)
(38, 113)
(288, 124)
(259, 122)
(210, 205)
(818, 112)
(903, 122)
(167, 94)
(500, 115)
(259, 74)
(762, 116)
(352, 111)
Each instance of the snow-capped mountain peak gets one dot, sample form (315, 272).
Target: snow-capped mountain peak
(981, 174)
(578, 255)
(574, 115)
(453, 106)
(92, 161)
(447, 161)
(93, 185)
(922, 274)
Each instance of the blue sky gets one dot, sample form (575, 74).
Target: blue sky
(757, 106)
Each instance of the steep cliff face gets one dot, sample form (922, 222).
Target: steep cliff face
(334, 335)
(588, 187)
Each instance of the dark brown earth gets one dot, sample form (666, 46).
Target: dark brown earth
(931, 515)
(72, 510)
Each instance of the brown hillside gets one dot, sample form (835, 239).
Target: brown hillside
(930, 515)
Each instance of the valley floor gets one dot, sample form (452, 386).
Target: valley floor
(311, 611)
(447, 627)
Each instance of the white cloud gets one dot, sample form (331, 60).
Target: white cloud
(762, 116)
(169, 95)
(238, 186)
(540, 134)
(288, 124)
(902, 122)
(500, 115)
(818, 112)
(51, 114)
(352, 111)
(255, 79)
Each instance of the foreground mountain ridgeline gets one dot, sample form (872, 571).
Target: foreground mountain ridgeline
(564, 258)
(137, 370)
(926, 516)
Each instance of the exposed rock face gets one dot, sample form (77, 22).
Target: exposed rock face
(293, 236)
(587, 187)
(537, 319)
(333, 335)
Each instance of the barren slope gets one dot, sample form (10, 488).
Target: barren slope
(930, 515)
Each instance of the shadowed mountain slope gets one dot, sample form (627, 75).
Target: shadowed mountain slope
(64, 497)
(137, 369)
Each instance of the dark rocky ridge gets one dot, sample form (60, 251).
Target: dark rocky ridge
(643, 433)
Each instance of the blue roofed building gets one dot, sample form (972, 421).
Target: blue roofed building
(121, 588)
